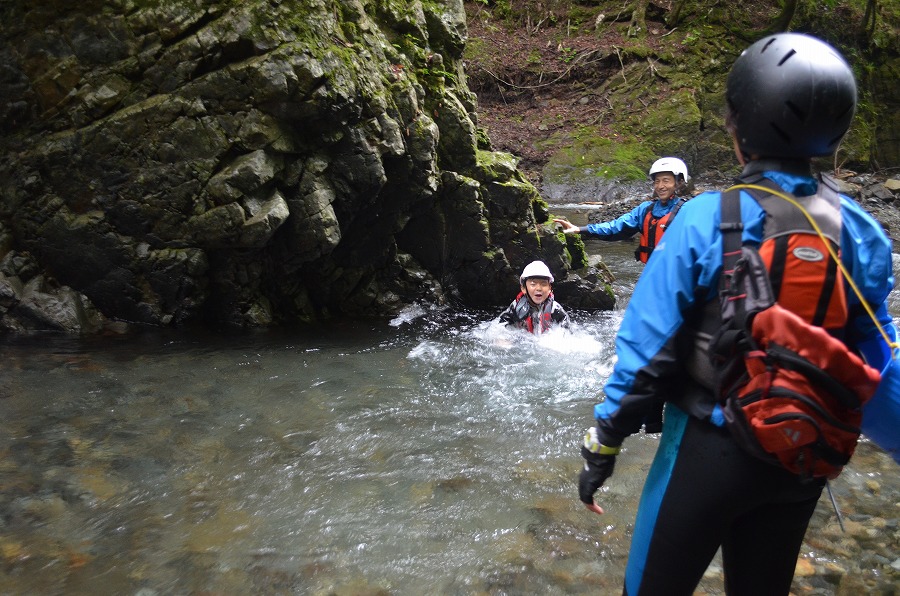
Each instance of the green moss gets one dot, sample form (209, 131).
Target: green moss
(673, 124)
(575, 248)
(638, 50)
(579, 15)
(593, 155)
(855, 149)
(495, 166)
(483, 140)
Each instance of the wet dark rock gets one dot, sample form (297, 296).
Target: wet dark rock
(241, 164)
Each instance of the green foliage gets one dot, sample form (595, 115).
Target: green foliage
(612, 159)
(691, 37)
(568, 54)
(436, 74)
(503, 9)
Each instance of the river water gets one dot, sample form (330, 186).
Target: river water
(434, 453)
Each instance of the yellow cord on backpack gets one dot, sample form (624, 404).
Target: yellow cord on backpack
(894, 346)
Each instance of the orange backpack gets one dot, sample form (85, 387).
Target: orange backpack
(791, 391)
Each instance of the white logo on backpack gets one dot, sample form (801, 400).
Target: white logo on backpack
(807, 253)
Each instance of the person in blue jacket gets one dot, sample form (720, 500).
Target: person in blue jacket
(703, 491)
(669, 176)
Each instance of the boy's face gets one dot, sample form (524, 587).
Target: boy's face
(664, 186)
(537, 289)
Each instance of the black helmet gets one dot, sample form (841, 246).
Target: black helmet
(791, 95)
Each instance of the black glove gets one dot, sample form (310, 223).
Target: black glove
(597, 468)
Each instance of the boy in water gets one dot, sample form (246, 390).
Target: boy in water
(534, 309)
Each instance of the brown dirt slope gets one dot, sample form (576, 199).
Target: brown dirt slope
(536, 77)
(546, 71)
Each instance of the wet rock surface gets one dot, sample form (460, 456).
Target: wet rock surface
(254, 164)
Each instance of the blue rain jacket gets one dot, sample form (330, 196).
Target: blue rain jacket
(684, 271)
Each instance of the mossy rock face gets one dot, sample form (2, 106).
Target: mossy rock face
(886, 92)
(599, 157)
(496, 166)
(646, 129)
(575, 247)
(306, 158)
(673, 124)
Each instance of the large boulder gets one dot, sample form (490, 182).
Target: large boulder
(258, 162)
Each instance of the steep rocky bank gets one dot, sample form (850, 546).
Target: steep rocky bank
(265, 163)
(571, 87)
(251, 164)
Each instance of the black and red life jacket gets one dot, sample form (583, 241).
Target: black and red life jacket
(548, 313)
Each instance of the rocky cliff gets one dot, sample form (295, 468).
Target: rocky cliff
(253, 163)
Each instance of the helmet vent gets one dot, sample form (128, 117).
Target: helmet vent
(784, 136)
(787, 57)
(800, 114)
(788, 94)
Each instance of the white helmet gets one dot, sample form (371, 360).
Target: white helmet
(535, 269)
(669, 164)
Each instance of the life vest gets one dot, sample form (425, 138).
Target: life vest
(652, 230)
(543, 314)
(545, 322)
(804, 278)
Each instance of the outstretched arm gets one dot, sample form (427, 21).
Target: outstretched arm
(620, 228)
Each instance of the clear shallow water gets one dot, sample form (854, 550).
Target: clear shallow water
(431, 454)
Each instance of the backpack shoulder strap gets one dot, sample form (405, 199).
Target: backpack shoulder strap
(676, 209)
(732, 229)
(828, 185)
(784, 217)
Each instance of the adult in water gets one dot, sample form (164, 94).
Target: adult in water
(669, 176)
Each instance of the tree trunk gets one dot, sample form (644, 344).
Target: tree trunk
(783, 20)
(868, 22)
(638, 26)
(675, 14)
